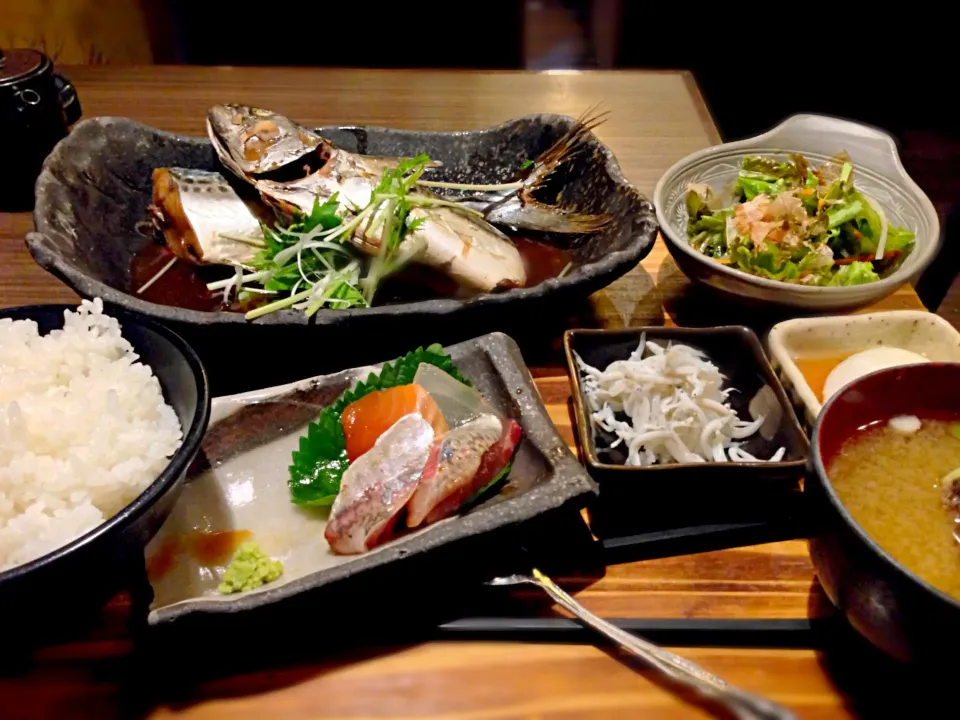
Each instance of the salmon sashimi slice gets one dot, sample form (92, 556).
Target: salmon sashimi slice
(376, 487)
(461, 463)
(366, 419)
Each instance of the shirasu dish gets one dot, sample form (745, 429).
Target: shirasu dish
(668, 405)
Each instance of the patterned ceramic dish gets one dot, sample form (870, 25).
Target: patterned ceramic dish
(96, 185)
(835, 337)
(238, 490)
(818, 138)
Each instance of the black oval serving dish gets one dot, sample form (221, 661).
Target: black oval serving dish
(88, 570)
(96, 185)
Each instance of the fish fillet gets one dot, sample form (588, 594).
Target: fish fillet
(194, 209)
(378, 485)
(461, 463)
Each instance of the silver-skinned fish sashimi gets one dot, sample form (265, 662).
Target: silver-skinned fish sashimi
(461, 463)
(377, 486)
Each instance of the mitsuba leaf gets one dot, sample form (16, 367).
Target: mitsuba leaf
(321, 458)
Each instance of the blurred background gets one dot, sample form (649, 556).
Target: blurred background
(897, 72)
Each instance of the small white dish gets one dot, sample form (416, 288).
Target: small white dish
(820, 337)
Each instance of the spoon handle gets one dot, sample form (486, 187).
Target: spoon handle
(741, 703)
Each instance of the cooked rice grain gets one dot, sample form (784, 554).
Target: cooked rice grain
(84, 430)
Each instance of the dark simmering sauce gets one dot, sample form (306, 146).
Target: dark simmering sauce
(541, 260)
(183, 285)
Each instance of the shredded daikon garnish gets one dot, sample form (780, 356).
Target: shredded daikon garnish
(675, 405)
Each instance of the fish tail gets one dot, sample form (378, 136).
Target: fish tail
(524, 210)
(572, 141)
(530, 214)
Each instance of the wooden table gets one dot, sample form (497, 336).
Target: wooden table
(655, 119)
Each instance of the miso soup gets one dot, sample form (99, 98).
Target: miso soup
(890, 483)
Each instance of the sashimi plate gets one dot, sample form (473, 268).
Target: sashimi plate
(238, 489)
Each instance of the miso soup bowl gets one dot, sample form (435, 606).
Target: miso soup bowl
(890, 606)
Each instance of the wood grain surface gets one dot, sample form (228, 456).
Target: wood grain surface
(656, 118)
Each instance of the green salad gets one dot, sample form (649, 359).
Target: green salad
(796, 223)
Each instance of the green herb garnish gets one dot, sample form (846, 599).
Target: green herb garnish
(527, 164)
(308, 264)
(321, 459)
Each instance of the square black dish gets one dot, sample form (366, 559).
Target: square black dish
(676, 506)
(242, 487)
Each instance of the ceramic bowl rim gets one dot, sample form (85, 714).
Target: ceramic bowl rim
(849, 521)
(612, 265)
(175, 466)
(905, 183)
(588, 446)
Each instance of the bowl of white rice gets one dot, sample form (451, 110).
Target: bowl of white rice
(100, 416)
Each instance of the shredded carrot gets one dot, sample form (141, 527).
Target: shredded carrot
(858, 235)
(807, 191)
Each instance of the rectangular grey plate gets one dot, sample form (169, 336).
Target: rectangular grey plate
(240, 483)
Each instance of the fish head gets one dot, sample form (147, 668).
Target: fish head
(252, 141)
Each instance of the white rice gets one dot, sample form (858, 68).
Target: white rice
(84, 430)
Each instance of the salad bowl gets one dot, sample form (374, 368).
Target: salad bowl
(878, 172)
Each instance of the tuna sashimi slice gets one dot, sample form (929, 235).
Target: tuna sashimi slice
(461, 463)
(378, 485)
(366, 419)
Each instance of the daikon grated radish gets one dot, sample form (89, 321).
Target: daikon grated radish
(676, 405)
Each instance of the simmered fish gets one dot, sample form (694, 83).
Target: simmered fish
(254, 142)
(202, 218)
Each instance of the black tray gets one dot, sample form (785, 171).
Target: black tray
(670, 524)
(568, 550)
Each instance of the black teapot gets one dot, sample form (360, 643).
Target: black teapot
(37, 107)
